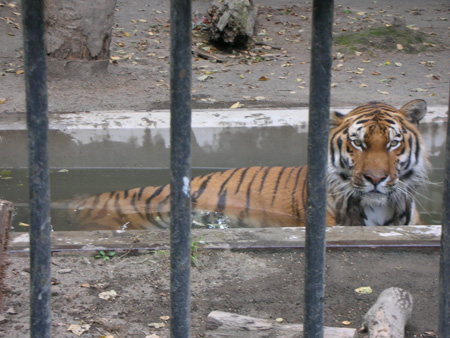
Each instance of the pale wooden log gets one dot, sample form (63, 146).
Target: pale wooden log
(223, 324)
(388, 316)
(6, 210)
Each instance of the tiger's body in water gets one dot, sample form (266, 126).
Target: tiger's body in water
(376, 162)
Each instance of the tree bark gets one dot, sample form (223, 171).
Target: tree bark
(388, 316)
(232, 21)
(6, 210)
(78, 36)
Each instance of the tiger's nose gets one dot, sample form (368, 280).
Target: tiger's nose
(375, 180)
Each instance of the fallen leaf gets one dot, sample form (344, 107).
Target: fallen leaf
(22, 224)
(399, 46)
(78, 330)
(20, 72)
(126, 34)
(157, 325)
(2, 100)
(165, 318)
(346, 322)
(263, 78)
(382, 92)
(398, 64)
(63, 171)
(260, 98)
(364, 290)
(387, 63)
(333, 85)
(419, 90)
(279, 320)
(363, 85)
(107, 295)
(203, 78)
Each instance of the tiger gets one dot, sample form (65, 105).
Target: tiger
(376, 161)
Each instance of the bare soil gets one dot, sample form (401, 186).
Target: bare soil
(274, 74)
(266, 284)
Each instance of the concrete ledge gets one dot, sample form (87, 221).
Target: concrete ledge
(238, 239)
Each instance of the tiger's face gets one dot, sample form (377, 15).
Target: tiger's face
(376, 154)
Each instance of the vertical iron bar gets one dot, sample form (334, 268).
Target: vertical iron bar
(444, 272)
(180, 124)
(318, 133)
(37, 124)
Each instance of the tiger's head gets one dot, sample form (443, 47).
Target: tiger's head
(376, 160)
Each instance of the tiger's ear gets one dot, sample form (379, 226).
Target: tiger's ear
(336, 118)
(414, 111)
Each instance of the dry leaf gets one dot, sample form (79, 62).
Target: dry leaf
(263, 78)
(157, 325)
(363, 85)
(399, 46)
(382, 92)
(22, 224)
(333, 85)
(398, 64)
(346, 322)
(20, 72)
(107, 295)
(2, 100)
(165, 318)
(419, 90)
(236, 105)
(279, 320)
(78, 330)
(364, 290)
(126, 34)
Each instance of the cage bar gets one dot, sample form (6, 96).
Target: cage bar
(318, 133)
(39, 179)
(180, 141)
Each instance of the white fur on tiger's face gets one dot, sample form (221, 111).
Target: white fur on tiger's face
(376, 161)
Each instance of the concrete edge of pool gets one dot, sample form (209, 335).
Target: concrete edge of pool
(419, 236)
(200, 118)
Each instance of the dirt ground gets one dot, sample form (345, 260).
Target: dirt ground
(266, 284)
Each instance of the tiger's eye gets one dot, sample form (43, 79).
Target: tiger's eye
(357, 143)
(394, 143)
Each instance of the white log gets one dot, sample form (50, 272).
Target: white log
(223, 324)
(388, 316)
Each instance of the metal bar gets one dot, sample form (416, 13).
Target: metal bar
(444, 272)
(318, 133)
(37, 124)
(180, 136)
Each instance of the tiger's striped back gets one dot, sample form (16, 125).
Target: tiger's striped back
(253, 196)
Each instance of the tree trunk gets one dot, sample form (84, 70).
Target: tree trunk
(6, 210)
(78, 36)
(232, 21)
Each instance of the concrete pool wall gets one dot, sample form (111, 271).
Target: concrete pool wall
(104, 141)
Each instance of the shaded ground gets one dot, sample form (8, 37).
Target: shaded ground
(263, 284)
(138, 78)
